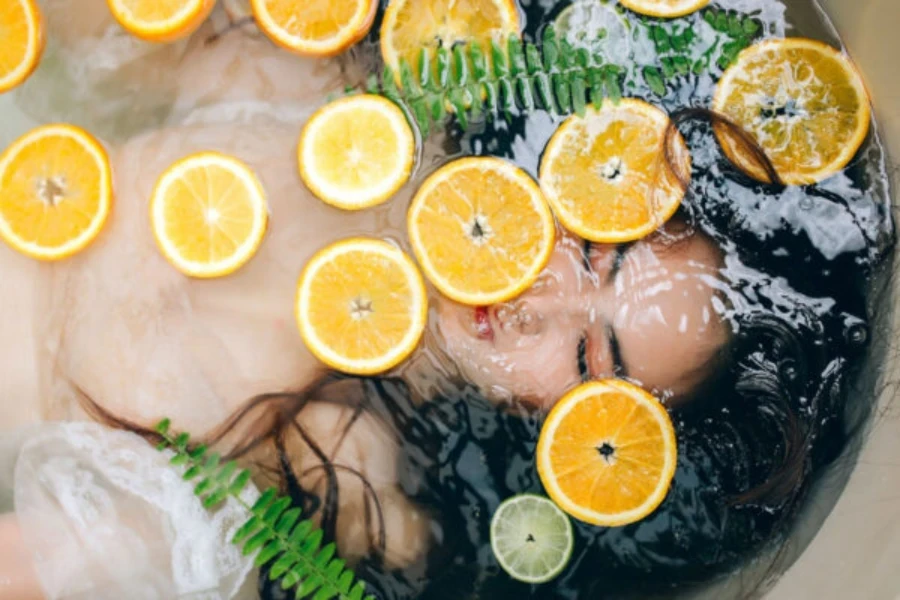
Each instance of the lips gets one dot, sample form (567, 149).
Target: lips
(483, 328)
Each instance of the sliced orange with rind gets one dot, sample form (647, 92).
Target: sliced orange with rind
(315, 27)
(481, 230)
(209, 214)
(667, 9)
(411, 25)
(607, 174)
(607, 453)
(802, 101)
(357, 152)
(161, 20)
(22, 32)
(361, 306)
(56, 192)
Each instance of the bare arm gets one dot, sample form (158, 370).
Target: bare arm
(364, 453)
(18, 580)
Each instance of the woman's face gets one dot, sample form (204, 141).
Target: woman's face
(644, 311)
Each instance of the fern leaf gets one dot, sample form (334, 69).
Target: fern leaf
(507, 97)
(215, 499)
(181, 441)
(287, 521)
(301, 531)
(262, 504)
(262, 537)
(443, 66)
(579, 95)
(324, 593)
(653, 79)
(460, 67)
(532, 59)
(457, 101)
(246, 530)
(498, 60)
(162, 428)
(284, 564)
(275, 510)
(274, 530)
(517, 64)
(240, 483)
(550, 49)
(324, 556)
(334, 569)
(345, 581)
(204, 487)
(545, 92)
(479, 62)
(269, 551)
(426, 74)
(563, 93)
(420, 113)
(526, 97)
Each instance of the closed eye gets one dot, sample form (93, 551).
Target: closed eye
(583, 370)
(586, 256)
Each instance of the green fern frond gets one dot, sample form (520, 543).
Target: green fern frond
(514, 75)
(275, 531)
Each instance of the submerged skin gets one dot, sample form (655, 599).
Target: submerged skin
(119, 324)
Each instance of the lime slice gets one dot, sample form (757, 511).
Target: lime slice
(599, 27)
(531, 538)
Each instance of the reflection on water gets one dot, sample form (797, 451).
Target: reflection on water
(796, 279)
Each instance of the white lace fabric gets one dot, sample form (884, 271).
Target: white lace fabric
(105, 516)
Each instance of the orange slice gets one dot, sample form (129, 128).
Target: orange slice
(607, 453)
(361, 306)
(481, 230)
(55, 192)
(315, 27)
(802, 101)
(357, 152)
(410, 25)
(161, 20)
(22, 32)
(209, 214)
(664, 8)
(606, 174)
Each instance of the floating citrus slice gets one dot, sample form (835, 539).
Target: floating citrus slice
(55, 192)
(411, 25)
(802, 101)
(209, 214)
(481, 230)
(607, 453)
(22, 32)
(606, 174)
(361, 306)
(357, 152)
(161, 20)
(664, 8)
(315, 27)
(531, 538)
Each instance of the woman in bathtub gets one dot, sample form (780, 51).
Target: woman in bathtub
(116, 336)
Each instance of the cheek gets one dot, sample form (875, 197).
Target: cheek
(538, 376)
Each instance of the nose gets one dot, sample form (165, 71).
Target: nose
(520, 316)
